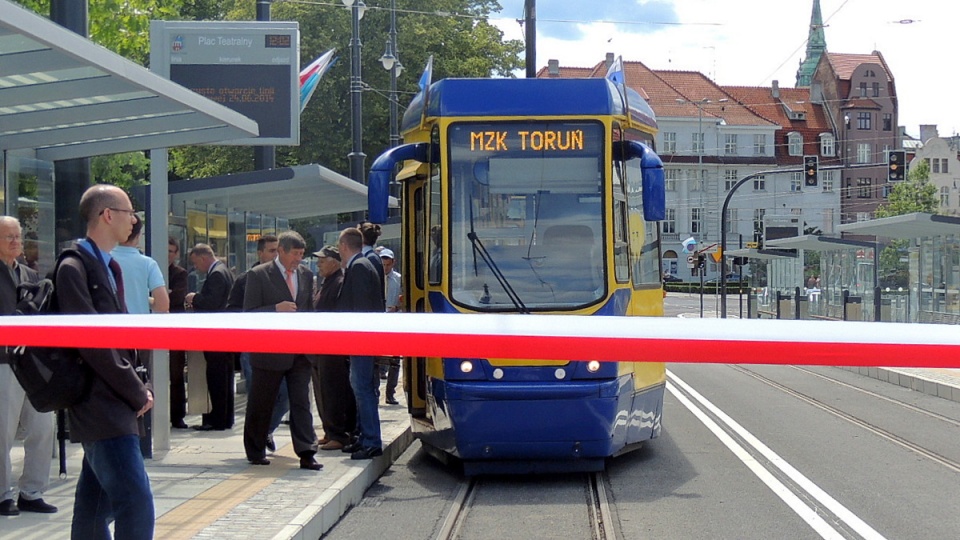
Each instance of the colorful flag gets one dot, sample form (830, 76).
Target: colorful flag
(615, 71)
(310, 76)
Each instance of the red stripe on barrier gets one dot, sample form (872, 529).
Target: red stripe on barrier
(460, 345)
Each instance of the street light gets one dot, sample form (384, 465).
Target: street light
(392, 64)
(356, 156)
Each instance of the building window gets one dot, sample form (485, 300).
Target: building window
(944, 196)
(863, 216)
(887, 122)
(732, 219)
(828, 144)
(864, 120)
(669, 142)
(697, 139)
(670, 178)
(863, 153)
(863, 89)
(760, 144)
(796, 182)
(729, 179)
(826, 180)
(848, 189)
(935, 165)
(696, 184)
(760, 183)
(730, 144)
(943, 165)
(758, 219)
(864, 188)
(795, 144)
(670, 223)
(696, 220)
(876, 89)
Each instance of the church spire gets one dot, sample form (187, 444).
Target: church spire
(816, 46)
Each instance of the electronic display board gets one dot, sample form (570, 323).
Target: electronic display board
(251, 67)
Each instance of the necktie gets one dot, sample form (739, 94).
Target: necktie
(118, 277)
(290, 285)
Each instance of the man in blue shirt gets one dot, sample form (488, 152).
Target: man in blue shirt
(142, 278)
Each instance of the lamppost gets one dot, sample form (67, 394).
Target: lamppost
(391, 63)
(356, 156)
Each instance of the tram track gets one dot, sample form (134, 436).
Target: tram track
(888, 435)
(598, 507)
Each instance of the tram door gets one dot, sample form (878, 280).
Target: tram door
(415, 251)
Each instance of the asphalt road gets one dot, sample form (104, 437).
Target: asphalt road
(746, 452)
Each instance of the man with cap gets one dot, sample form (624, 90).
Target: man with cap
(392, 281)
(331, 374)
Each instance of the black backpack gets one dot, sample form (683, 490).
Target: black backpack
(52, 377)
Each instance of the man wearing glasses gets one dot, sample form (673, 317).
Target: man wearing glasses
(113, 483)
(15, 408)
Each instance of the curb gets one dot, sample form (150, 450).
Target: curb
(913, 381)
(323, 513)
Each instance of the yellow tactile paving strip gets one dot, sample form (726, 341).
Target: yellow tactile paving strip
(191, 517)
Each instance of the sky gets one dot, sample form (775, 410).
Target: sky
(753, 42)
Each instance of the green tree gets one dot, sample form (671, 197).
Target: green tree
(916, 194)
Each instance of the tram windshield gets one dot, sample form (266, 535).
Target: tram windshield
(526, 215)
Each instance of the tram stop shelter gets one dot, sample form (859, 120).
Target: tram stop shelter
(848, 278)
(773, 275)
(931, 245)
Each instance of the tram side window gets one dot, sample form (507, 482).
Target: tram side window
(620, 228)
(436, 232)
(644, 239)
(420, 236)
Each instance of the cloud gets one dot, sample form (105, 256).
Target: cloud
(564, 20)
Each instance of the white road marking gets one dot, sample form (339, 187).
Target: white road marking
(824, 529)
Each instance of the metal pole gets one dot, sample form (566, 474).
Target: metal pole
(530, 22)
(264, 157)
(394, 127)
(356, 156)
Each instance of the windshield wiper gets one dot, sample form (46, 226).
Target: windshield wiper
(502, 279)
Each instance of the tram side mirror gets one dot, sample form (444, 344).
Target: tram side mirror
(382, 172)
(651, 178)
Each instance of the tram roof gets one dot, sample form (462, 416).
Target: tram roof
(526, 97)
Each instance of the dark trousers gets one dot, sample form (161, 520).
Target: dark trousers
(260, 403)
(391, 364)
(335, 400)
(178, 389)
(220, 387)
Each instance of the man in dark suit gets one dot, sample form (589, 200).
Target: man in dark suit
(280, 286)
(213, 298)
(331, 376)
(362, 291)
(178, 359)
(15, 408)
(113, 483)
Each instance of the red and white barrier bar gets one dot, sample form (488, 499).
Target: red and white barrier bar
(506, 336)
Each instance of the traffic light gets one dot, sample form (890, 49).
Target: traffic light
(810, 164)
(896, 165)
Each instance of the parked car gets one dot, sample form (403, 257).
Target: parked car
(670, 278)
(731, 278)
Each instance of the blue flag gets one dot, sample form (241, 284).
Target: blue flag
(615, 72)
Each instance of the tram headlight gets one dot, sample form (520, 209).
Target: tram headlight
(593, 366)
(498, 374)
(560, 373)
(466, 366)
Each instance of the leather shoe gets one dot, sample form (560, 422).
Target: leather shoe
(392, 401)
(271, 446)
(310, 464)
(259, 461)
(323, 441)
(332, 445)
(7, 508)
(36, 505)
(367, 452)
(180, 425)
(203, 427)
(352, 447)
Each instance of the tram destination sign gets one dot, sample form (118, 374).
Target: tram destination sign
(251, 67)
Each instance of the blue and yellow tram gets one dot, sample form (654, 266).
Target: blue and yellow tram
(529, 196)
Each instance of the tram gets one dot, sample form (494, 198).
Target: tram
(529, 196)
